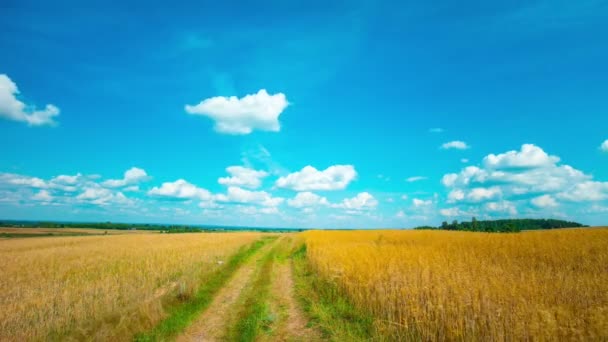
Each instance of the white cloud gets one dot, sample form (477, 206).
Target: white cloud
(131, 176)
(238, 195)
(232, 115)
(604, 146)
(404, 197)
(335, 177)
(415, 179)
(483, 194)
(436, 130)
(243, 176)
(400, 214)
(43, 195)
(453, 212)
(307, 199)
(456, 144)
(13, 179)
(102, 196)
(544, 201)
(362, 201)
(501, 207)
(586, 191)
(464, 160)
(180, 189)
(421, 203)
(268, 210)
(456, 195)
(517, 181)
(529, 174)
(13, 109)
(528, 157)
(66, 179)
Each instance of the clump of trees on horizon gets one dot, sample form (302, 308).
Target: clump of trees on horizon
(505, 226)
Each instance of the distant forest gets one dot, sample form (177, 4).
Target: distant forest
(164, 228)
(510, 225)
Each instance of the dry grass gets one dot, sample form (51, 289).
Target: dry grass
(544, 285)
(101, 287)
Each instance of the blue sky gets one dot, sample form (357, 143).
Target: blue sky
(304, 114)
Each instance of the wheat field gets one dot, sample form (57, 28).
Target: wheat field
(101, 287)
(539, 286)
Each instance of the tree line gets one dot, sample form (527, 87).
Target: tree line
(507, 225)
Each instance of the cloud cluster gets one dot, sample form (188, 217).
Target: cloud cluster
(238, 195)
(336, 177)
(232, 115)
(528, 175)
(132, 176)
(363, 201)
(13, 109)
(306, 200)
(243, 176)
(181, 189)
(604, 146)
(75, 189)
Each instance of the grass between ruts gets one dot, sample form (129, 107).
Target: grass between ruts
(254, 315)
(183, 314)
(329, 310)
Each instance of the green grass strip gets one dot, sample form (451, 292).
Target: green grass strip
(329, 309)
(254, 316)
(183, 314)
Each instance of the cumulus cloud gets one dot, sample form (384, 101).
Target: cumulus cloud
(529, 175)
(12, 179)
(43, 196)
(232, 115)
(421, 203)
(131, 176)
(604, 146)
(456, 144)
(415, 179)
(243, 176)
(544, 201)
(335, 177)
(586, 191)
(501, 207)
(362, 201)
(180, 189)
(453, 212)
(102, 196)
(12, 108)
(307, 199)
(528, 157)
(238, 195)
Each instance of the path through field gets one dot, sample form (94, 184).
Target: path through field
(285, 320)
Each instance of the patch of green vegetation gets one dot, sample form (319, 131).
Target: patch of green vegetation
(328, 308)
(182, 314)
(255, 315)
(505, 226)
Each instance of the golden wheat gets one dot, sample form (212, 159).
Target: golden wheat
(543, 285)
(101, 287)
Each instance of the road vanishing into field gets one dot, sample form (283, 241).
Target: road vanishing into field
(264, 281)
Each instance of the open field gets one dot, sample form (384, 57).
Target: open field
(312, 286)
(102, 286)
(542, 285)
